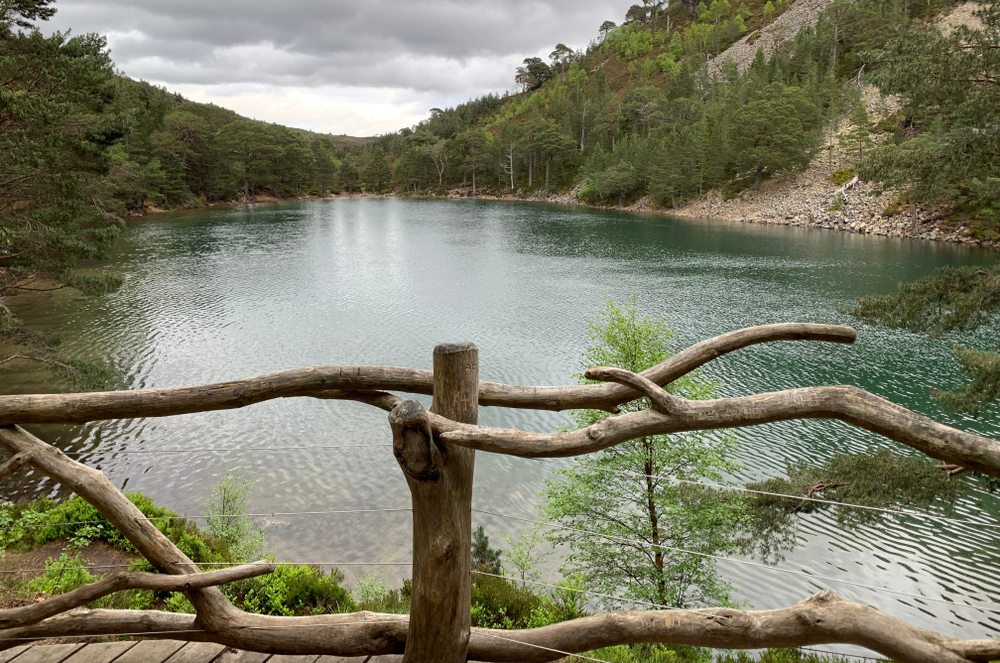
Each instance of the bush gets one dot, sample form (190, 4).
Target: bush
(227, 506)
(63, 574)
(644, 653)
(499, 603)
(371, 593)
(80, 523)
(293, 589)
(783, 656)
(842, 176)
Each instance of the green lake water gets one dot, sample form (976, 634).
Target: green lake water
(230, 293)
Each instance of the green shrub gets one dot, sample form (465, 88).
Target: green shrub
(63, 574)
(80, 523)
(371, 593)
(227, 506)
(19, 523)
(783, 656)
(177, 602)
(645, 653)
(842, 176)
(293, 589)
(499, 603)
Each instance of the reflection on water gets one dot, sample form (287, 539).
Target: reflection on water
(230, 293)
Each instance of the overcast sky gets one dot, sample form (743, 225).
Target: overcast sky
(360, 67)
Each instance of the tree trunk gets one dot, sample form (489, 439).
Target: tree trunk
(440, 481)
(473, 180)
(654, 522)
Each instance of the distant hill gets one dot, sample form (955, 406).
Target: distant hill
(684, 98)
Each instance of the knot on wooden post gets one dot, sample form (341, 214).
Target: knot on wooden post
(413, 442)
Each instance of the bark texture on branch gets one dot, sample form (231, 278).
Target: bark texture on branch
(116, 582)
(850, 404)
(93, 486)
(354, 382)
(821, 619)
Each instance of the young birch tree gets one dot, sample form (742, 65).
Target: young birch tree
(628, 494)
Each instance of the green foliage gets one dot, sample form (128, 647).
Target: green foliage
(289, 590)
(226, 507)
(630, 42)
(524, 556)
(627, 493)
(293, 589)
(79, 523)
(21, 14)
(857, 139)
(983, 366)
(945, 149)
(371, 592)
(92, 282)
(842, 176)
(879, 479)
(773, 132)
(951, 299)
(645, 653)
(499, 603)
(56, 106)
(485, 558)
(783, 656)
(63, 574)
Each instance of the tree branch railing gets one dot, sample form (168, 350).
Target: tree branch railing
(436, 451)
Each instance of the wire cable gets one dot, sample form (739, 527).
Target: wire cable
(981, 606)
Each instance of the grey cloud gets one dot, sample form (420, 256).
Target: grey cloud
(438, 49)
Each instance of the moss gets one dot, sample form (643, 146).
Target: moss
(842, 176)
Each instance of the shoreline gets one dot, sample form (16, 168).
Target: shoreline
(743, 210)
(771, 205)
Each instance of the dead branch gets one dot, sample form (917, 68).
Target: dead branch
(348, 381)
(13, 464)
(820, 619)
(353, 634)
(850, 404)
(123, 580)
(93, 486)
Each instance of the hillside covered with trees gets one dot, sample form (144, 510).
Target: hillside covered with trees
(83, 147)
(649, 110)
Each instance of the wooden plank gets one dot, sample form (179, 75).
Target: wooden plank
(151, 651)
(47, 653)
(197, 652)
(10, 654)
(101, 652)
(285, 658)
(230, 655)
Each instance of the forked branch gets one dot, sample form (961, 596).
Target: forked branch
(358, 383)
(821, 619)
(123, 580)
(850, 404)
(93, 486)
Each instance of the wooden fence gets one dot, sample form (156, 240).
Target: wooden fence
(436, 452)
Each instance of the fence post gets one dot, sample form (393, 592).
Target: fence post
(440, 481)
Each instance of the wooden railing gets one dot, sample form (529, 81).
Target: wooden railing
(436, 452)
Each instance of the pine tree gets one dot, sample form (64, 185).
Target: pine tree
(952, 299)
